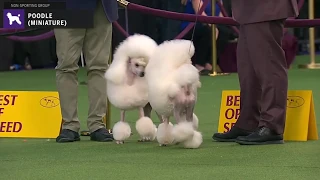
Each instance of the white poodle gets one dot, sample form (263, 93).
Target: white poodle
(173, 82)
(127, 87)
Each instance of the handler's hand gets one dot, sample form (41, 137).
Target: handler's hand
(183, 2)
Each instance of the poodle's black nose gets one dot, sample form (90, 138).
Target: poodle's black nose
(142, 74)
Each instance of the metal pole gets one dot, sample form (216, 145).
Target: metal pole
(312, 48)
(107, 119)
(214, 40)
(214, 43)
(312, 33)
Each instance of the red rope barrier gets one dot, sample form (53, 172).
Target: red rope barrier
(192, 24)
(180, 35)
(43, 36)
(212, 19)
(225, 14)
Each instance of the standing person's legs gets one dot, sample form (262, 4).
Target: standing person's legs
(97, 44)
(268, 60)
(250, 93)
(69, 46)
(202, 42)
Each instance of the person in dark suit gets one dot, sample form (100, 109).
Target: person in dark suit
(262, 71)
(95, 43)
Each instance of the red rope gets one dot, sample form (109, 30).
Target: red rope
(212, 19)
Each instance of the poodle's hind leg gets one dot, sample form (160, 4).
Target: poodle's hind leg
(189, 112)
(179, 113)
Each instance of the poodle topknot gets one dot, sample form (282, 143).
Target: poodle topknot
(136, 46)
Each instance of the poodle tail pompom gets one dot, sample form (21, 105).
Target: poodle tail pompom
(194, 142)
(145, 127)
(121, 131)
(183, 131)
(195, 121)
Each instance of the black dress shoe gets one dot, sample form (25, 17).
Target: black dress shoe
(231, 135)
(262, 136)
(101, 135)
(66, 135)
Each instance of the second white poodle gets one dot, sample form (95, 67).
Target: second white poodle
(173, 82)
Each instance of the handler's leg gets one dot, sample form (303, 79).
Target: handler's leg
(69, 46)
(271, 68)
(250, 93)
(97, 45)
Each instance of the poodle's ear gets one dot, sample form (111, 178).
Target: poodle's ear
(116, 74)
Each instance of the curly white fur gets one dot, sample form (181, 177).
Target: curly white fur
(168, 73)
(182, 132)
(194, 142)
(168, 69)
(146, 129)
(120, 94)
(164, 134)
(121, 131)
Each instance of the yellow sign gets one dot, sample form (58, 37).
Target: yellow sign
(29, 114)
(300, 121)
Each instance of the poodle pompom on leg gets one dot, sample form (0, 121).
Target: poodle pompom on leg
(194, 142)
(121, 131)
(164, 134)
(183, 131)
(146, 129)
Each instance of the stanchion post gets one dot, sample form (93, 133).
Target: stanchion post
(107, 119)
(214, 40)
(214, 43)
(312, 48)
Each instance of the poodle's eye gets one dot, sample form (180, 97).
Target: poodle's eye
(137, 65)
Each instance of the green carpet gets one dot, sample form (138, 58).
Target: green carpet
(42, 159)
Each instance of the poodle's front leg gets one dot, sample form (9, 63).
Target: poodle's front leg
(141, 112)
(122, 115)
(143, 128)
(122, 119)
(164, 120)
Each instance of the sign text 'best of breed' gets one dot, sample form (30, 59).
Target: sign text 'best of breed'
(29, 114)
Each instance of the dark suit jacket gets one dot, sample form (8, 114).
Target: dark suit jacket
(110, 6)
(254, 11)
